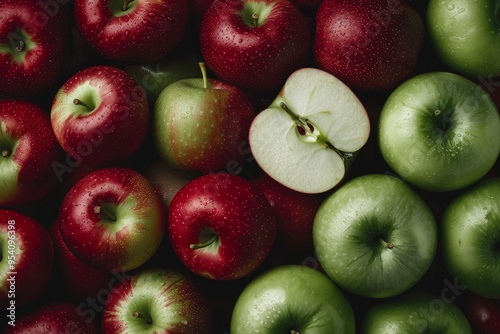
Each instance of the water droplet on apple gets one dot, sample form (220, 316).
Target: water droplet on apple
(450, 6)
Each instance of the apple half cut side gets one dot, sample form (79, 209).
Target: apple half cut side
(309, 134)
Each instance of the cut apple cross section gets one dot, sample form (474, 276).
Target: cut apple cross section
(306, 138)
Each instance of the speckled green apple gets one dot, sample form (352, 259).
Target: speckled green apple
(157, 300)
(112, 219)
(415, 312)
(375, 236)
(28, 149)
(439, 131)
(471, 238)
(292, 299)
(201, 124)
(465, 35)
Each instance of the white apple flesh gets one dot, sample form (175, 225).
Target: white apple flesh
(310, 131)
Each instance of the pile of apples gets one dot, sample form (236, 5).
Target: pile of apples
(250, 166)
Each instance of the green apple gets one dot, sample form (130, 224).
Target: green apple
(308, 136)
(292, 299)
(439, 131)
(375, 236)
(156, 76)
(465, 35)
(202, 124)
(471, 238)
(415, 312)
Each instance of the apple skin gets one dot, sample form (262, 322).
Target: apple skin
(168, 181)
(53, 317)
(28, 149)
(292, 299)
(375, 236)
(44, 57)
(255, 58)
(464, 35)
(129, 227)
(31, 266)
(146, 32)
(439, 131)
(294, 211)
(99, 133)
(221, 226)
(470, 238)
(154, 77)
(483, 313)
(415, 312)
(170, 298)
(201, 124)
(371, 45)
(79, 280)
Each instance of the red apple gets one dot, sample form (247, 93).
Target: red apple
(28, 150)
(100, 116)
(112, 219)
(221, 226)
(295, 212)
(35, 40)
(27, 260)
(53, 317)
(79, 280)
(483, 313)
(157, 300)
(132, 31)
(254, 45)
(371, 45)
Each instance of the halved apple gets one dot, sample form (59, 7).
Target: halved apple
(309, 134)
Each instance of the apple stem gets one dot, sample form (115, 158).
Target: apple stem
(203, 69)
(5, 153)
(388, 245)
(20, 45)
(255, 18)
(148, 320)
(79, 102)
(204, 244)
(126, 4)
(99, 210)
(293, 331)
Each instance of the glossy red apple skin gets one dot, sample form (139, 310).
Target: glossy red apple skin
(230, 207)
(145, 34)
(112, 131)
(120, 244)
(483, 313)
(371, 45)
(79, 280)
(175, 295)
(43, 64)
(294, 211)
(30, 176)
(258, 59)
(53, 317)
(33, 263)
